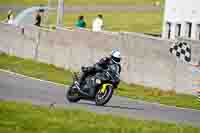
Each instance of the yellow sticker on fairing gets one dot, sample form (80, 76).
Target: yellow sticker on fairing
(104, 86)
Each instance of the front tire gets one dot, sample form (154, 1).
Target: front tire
(102, 99)
(72, 95)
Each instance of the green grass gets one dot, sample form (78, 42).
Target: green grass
(35, 69)
(3, 16)
(27, 118)
(120, 21)
(59, 75)
(126, 21)
(158, 96)
(80, 2)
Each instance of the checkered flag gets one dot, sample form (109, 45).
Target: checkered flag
(181, 50)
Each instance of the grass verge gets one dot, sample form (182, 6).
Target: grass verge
(120, 21)
(3, 16)
(26, 118)
(59, 75)
(115, 21)
(81, 2)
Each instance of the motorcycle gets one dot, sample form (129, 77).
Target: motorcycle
(98, 87)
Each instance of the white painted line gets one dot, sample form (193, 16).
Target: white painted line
(165, 106)
(24, 76)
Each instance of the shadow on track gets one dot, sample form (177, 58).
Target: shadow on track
(110, 106)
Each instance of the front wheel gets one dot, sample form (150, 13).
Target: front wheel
(103, 98)
(72, 95)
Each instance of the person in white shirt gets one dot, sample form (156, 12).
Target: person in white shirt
(9, 18)
(97, 24)
(10, 21)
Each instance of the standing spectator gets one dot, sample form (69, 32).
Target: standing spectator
(10, 17)
(81, 22)
(98, 23)
(38, 19)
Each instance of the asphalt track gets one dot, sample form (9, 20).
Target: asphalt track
(16, 87)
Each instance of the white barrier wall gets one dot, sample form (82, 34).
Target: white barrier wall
(146, 60)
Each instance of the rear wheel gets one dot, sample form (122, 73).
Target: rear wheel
(103, 98)
(72, 95)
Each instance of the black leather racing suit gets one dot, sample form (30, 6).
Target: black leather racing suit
(102, 64)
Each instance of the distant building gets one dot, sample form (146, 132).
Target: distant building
(181, 19)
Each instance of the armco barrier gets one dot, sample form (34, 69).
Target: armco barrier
(146, 60)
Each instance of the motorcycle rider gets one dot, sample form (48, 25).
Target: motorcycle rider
(102, 64)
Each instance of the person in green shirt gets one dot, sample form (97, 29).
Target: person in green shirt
(81, 22)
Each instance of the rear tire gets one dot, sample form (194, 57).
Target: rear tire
(72, 95)
(100, 101)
